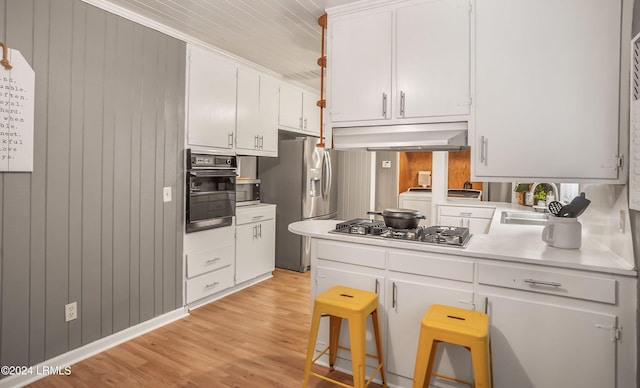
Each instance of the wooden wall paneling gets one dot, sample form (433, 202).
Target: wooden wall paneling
(57, 212)
(76, 160)
(37, 292)
(122, 175)
(410, 164)
(16, 219)
(386, 181)
(15, 212)
(135, 198)
(458, 173)
(460, 170)
(147, 177)
(354, 184)
(160, 133)
(108, 171)
(171, 258)
(70, 230)
(90, 308)
(3, 7)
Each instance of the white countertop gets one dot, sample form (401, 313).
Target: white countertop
(513, 243)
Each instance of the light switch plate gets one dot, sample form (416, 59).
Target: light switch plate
(386, 164)
(166, 194)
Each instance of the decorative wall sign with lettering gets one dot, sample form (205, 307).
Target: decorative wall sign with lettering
(17, 86)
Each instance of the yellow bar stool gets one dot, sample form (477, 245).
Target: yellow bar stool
(355, 306)
(457, 326)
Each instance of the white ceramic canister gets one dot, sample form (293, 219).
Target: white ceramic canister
(562, 232)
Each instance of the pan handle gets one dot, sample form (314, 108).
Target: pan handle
(375, 213)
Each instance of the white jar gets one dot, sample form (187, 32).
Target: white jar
(562, 232)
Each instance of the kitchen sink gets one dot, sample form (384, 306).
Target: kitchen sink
(523, 218)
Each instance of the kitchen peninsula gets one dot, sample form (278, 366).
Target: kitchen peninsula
(559, 317)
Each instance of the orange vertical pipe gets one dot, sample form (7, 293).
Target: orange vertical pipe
(322, 62)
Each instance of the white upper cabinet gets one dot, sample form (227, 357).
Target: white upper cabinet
(547, 90)
(269, 110)
(403, 63)
(248, 110)
(211, 100)
(359, 67)
(298, 110)
(257, 111)
(432, 59)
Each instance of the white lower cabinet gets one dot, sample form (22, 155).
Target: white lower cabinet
(550, 327)
(409, 301)
(255, 241)
(549, 345)
(356, 278)
(210, 258)
(477, 219)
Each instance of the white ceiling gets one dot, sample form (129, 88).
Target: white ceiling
(281, 35)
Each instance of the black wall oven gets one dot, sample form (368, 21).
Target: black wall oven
(211, 190)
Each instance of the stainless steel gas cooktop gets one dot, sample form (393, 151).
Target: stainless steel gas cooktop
(450, 236)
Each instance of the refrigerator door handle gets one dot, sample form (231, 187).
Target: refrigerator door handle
(326, 175)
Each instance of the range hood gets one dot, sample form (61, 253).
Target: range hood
(407, 137)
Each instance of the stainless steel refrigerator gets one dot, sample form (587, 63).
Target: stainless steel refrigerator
(302, 183)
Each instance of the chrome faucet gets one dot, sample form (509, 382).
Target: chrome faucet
(553, 187)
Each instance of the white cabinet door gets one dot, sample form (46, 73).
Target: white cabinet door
(290, 107)
(563, 347)
(268, 126)
(406, 305)
(255, 249)
(547, 89)
(211, 105)
(248, 110)
(432, 59)
(328, 277)
(359, 67)
(311, 113)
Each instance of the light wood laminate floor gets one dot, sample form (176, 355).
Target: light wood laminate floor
(254, 338)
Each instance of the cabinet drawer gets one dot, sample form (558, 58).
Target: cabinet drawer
(209, 283)
(352, 254)
(254, 214)
(210, 259)
(466, 211)
(574, 286)
(431, 264)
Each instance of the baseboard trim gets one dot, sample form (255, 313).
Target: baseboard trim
(62, 363)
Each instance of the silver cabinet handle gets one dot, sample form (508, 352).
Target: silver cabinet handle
(534, 282)
(261, 142)
(305, 123)
(212, 261)
(256, 217)
(466, 214)
(230, 139)
(483, 150)
(394, 295)
(377, 286)
(260, 230)
(300, 124)
(255, 141)
(211, 285)
(402, 103)
(255, 231)
(384, 104)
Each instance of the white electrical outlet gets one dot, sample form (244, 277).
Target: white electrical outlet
(70, 311)
(166, 194)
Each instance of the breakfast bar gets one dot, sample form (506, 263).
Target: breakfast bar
(559, 317)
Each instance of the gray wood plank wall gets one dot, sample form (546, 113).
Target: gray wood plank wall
(89, 224)
(354, 184)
